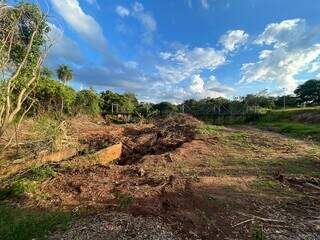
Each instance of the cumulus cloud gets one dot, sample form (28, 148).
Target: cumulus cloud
(64, 48)
(295, 48)
(187, 62)
(81, 22)
(233, 39)
(122, 11)
(197, 84)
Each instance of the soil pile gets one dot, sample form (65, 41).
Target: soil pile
(166, 135)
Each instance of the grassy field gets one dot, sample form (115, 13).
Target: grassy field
(296, 122)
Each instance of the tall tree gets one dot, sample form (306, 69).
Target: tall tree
(22, 50)
(64, 73)
(309, 92)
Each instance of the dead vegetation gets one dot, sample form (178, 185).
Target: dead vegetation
(181, 179)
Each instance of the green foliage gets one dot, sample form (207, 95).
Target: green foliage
(298, 130)
(165, 108)
(287, 101)
(87, 102)
(208, 129)
(120, 103)
(64, 73)
(40, 173)
(257, 233)
(17, 188)
(49, 95)
(47, 131)
(29, 19)
(309, 92)
(261, 100)
(27, 224)
(124, 200)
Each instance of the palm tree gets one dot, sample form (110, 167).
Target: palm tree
(64, 73)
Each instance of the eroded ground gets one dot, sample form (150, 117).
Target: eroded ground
(182, 179)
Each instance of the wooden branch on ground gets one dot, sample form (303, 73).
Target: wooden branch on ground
(261, 218)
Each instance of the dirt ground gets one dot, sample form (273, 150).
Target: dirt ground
(182, 179)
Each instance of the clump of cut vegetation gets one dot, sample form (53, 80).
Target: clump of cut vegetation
(46, 132)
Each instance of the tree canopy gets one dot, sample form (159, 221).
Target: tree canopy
(309, 92)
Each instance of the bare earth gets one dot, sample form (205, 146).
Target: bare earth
(174, 182)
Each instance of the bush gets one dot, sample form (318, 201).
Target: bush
(51, 96)
(87, 102)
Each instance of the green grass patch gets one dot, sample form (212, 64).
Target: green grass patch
(27, 224)
(208, 129)
(266, 185)
(237, 136)
(26, 184)
(124, 200)
(293, 129)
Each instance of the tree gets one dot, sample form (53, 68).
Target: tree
(46, 72)
(166, 108)
(309, 92)
(117, 102)
(22, 51)
(49, 95)
(87, 102)
(64, 73)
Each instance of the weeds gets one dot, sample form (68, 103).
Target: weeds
(46, 131)
(207, 129)
(124, 200)
(257, 233)
(26, 184)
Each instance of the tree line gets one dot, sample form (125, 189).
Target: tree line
(28, 88)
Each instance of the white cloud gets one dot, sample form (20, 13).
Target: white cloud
(187, 62)
(214, 85)
(203, 88)
(205, 4)
(233, 39)
(81, 22)
(295, 48)
(63, 49)
(147, 21)
(197, 84)
(283, 34)
(122, 11)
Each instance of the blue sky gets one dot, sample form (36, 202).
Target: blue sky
(174, 50)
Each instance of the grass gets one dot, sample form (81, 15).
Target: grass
(124, 200)
(26, 184)
(46, 130)
(208, 129)
(258, 233)
(286, 122)
(27, 224)
(293, 129)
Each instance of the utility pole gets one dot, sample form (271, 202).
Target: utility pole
(284, 98)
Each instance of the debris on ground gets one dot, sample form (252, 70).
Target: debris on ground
(119, 226)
